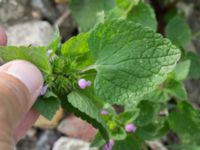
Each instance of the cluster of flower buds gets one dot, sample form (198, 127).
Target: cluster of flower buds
(83, 83)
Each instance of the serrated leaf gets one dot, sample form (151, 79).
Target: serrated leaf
(77, 50)
(130, 60)
(195, 63)
(35, 55)
(178, 31)
(185, 121)
(143, 14)
(182, 70)
(47, 105)
(88, 109)
(86, 12)
(131, 142)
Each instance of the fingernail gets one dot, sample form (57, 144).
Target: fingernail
(27, 73)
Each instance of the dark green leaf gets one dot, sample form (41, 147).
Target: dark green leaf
(47, 105)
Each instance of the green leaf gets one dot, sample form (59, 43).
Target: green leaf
(130, 60)
(87, 108)
(125, 4)
(47, 105)
(195, 63)
(118, 133)
(185, 121)
(153, 131)
(178, 31)
(182, 70)
(128, 116)
(131, 142)
(98, 141)
(148, 112)
(177, 90)
(77, 50)
(143, 14)
(35, 55)
(86, 12)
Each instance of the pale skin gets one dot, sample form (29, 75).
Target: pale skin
(20, 85)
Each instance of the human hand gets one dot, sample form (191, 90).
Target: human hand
(20, 85)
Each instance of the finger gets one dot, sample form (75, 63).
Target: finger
(26, 123)
(3, 37)
(25, 82)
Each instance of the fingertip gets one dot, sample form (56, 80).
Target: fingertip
(3, 37)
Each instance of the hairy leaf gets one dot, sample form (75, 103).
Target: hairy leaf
(130, 60)
(35, 55)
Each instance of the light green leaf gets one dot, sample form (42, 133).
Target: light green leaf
(178, 31)
(35, 55)
(143, 14)
(86, 12)
(195, 65)
(118, 133)
(127, 116)
(98, 141)
(125, 4)
(185, 121)
(130, 60)
(47, 105)
(88, 108)
(182, 70)
(76, 49)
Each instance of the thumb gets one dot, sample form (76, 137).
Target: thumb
(20, 84)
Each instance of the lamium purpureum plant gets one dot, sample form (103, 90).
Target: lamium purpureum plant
(118, 61)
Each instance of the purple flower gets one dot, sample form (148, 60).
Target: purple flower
(83, 83)
(109, 146)
(104, 112)
(44, 90)
(130, 128)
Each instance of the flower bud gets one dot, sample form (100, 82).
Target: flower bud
(130, 128)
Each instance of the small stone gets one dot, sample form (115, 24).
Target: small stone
(43, 123)
(65, 143)
(74, 127)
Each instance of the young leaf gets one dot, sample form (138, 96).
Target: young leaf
(55, 44)
(182, 70)
(185, 121)
(178, 31)
(125, 4)
(85, 11)
(47, 105)
(177, 90)
(35, 55)
(77, 49)
(130, 60)
(143, 14)
(87, 108)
